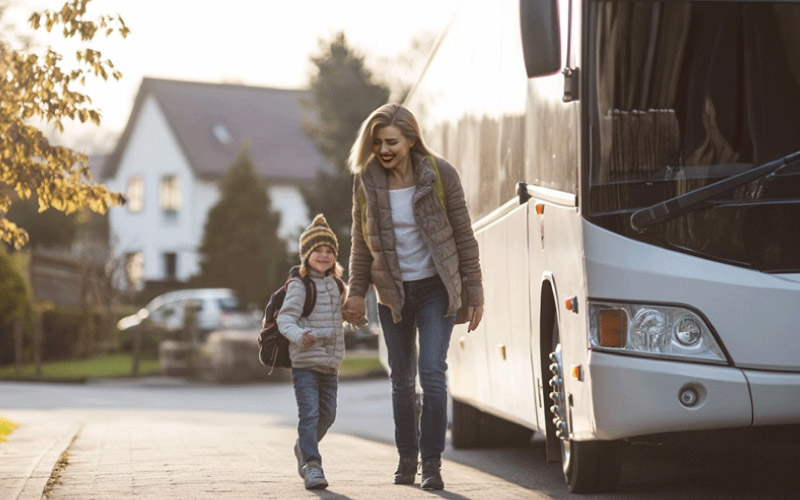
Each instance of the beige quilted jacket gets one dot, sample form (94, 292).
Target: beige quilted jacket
(448, 235)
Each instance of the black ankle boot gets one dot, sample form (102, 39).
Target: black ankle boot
(406, 471)
(432, 475)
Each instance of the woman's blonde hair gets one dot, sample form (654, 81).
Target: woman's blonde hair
(388, 114)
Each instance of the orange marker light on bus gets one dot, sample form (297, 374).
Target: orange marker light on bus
(540, 208)
(571, 304)
(612, 327)
(575, 371)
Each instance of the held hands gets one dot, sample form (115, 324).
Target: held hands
(354, 309)
(475, 314)
(308, 340)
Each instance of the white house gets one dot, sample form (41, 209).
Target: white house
(180, 139)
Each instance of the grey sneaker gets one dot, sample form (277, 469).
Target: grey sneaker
(299, 457)
(406, 471)
(432, 475)
(315, 478)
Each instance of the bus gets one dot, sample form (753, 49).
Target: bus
(631, 168)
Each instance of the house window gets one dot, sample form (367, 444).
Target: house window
(135, 194)
(221, 133)
(170, 193)
(170, 266)
(134, 268)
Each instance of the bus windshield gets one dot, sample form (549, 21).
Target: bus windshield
(685, 94)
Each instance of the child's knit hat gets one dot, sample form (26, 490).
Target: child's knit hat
(317, 234)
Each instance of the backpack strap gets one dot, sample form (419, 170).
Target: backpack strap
(311, 295)
(439, 186)
(362, 197)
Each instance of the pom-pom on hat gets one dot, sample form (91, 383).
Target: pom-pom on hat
(317, 234)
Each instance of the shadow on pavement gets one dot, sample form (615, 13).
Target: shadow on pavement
(735, 464)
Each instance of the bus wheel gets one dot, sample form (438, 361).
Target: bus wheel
(588, 466)
(466, 425)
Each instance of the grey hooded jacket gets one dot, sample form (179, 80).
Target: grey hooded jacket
(448, 235)
(324, 323)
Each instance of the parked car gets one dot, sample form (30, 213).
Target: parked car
(216, 309)
(360, 336)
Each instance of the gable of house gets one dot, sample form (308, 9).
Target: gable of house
(190, 133)
(212, 123)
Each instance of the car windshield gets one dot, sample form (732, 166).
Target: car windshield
(230, 304)
(688, 93)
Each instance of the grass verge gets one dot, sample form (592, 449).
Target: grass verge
(105, 366)
(361, 367)
(6, 426)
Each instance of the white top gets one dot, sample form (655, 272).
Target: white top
(416, 261)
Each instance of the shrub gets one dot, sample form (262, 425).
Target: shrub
(69, 332)
(15, 303)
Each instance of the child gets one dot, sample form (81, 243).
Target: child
(316, 346)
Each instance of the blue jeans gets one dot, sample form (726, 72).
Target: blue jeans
(316, 408)
(424, 310)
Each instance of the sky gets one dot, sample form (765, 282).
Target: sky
(254, 42)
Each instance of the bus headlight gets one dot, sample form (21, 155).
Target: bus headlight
(652, 330)
(687, 331)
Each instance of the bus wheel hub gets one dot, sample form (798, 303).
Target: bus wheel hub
(557, 395)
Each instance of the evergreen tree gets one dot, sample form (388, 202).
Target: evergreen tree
(50, 228)
(343, 93)
(241, 248)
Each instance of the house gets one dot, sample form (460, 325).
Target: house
(179, 141)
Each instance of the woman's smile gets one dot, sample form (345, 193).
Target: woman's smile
(391, 147)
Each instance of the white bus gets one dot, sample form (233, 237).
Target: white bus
(632, 172)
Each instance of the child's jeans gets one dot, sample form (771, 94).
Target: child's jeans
(316, 408)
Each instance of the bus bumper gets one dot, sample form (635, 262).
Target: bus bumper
(635, 396)
(776, 397)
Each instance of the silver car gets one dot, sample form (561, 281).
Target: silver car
(216, 309)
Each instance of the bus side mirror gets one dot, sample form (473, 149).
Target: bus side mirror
(541, 36)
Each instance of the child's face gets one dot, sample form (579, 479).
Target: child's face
(322, 259)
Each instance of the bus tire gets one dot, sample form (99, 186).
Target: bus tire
(588, 466)
(465, 429)
(592, 467)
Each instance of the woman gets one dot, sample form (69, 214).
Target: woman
(413, 240)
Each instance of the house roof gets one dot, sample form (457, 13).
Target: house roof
(97, 166)
(212, 122)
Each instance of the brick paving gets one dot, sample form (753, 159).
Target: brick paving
(167, 454)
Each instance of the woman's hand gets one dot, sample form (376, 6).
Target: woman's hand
(354, 309)
(474, 313)
(308, 340)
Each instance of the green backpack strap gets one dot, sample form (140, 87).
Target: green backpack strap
(362, 197)
(439, 186)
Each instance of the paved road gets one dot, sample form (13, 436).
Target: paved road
(733, 465)
(364, 405)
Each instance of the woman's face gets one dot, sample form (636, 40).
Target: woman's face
(391, 147)
(322, 259)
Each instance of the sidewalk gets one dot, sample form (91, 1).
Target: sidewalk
(167, 454)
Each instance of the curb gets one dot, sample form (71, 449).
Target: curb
(38, 473)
